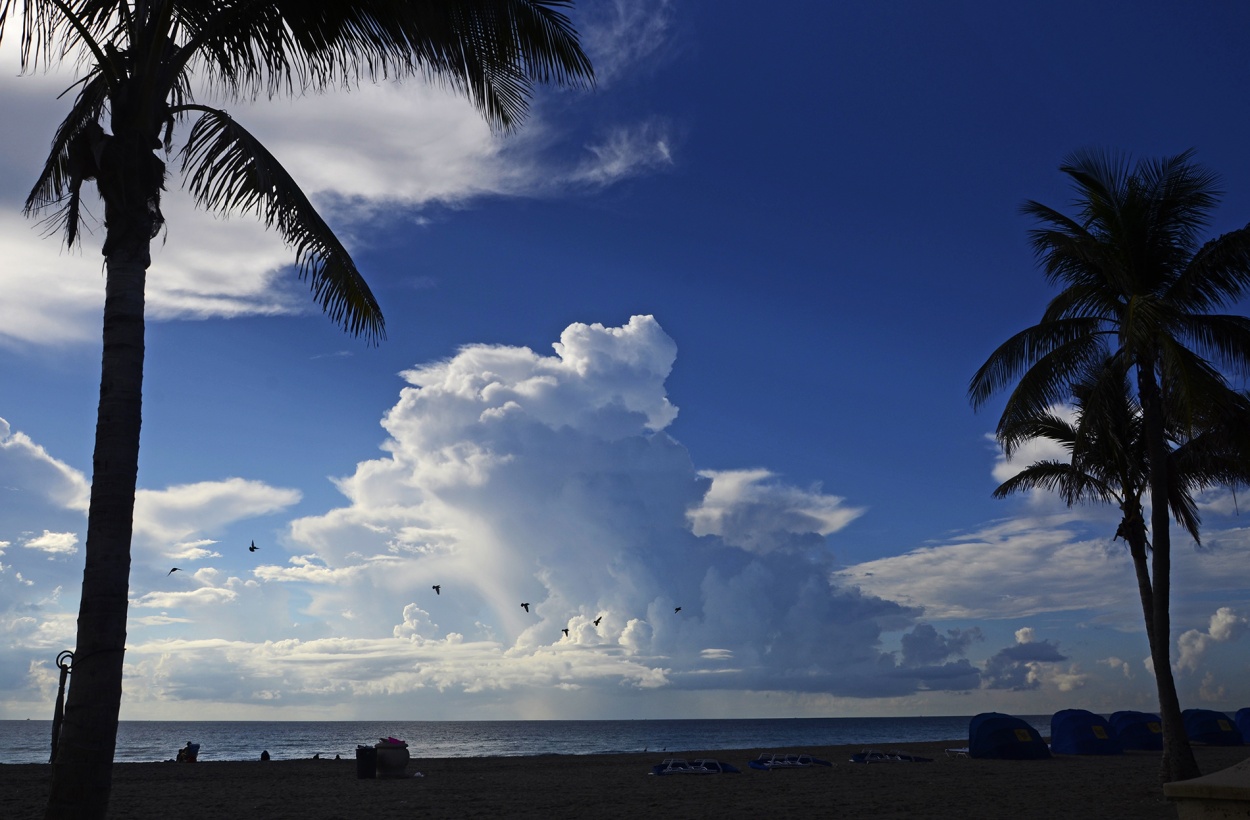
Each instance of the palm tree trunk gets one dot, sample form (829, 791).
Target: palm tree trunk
(82, 771)
(1133, 528)
(1178, 756)
(1145, 591)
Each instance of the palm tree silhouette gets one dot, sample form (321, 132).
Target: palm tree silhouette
(1107, 462)
(1139, 288)
(137, 60)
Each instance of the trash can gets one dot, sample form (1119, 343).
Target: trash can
(366, 762)
(392, 758)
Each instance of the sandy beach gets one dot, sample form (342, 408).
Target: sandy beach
(619, 786)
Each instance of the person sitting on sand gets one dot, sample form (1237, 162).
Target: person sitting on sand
(189, 753)
(264, 755)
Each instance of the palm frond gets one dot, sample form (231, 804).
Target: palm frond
(1217, 275)
(1222, 338)
(1026, 349)
(227, 170)
(1051, 378)
(493, 51)
(1061, 478)
(70, 162)
(54, 30)
(1045, 425)
(1195, 390)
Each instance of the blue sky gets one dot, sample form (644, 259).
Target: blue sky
(699, 337)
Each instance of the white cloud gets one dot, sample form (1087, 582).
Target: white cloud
(622, 34)
(1226, 625)
(54, 543)
(202, 597)
(626, 152)
(176, 514)
(381, 149)
(1116, 663)
(1011, 569)
(1031, 451)
(514, 477)
(1029, 664)
(751, 509)
(28, 474)
(1210, 691)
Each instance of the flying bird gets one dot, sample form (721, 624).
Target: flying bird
(438, 589)
(676, 610)
(597, 620)
(526, 607)
(253, 548)
(566, 632)
(171, 572)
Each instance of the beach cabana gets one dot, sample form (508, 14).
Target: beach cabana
(1210, 727)
(1004, 737)
(1242, 721)
(1081, 732)
(1138, 730)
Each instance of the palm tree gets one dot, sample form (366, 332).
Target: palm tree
(137, 60)
(1107, 463)
(1139, 287)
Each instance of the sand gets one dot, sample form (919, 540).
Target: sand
(619, 786)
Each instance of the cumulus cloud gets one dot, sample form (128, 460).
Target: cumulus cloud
(1210, 691)
(511, 476)
(1119, 664)
(54, 543)
(1226, 625)
(751, 509)
(925, 645)
(1027, 664)
(925, 654)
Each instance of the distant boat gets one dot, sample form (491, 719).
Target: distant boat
(767, 762)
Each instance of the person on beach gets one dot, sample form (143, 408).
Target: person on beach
(189, 753)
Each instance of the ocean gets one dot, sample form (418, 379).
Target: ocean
(141, 741)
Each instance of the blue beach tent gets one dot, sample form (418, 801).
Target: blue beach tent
(998, 736)
(1213, 728)
(1081, 732)
(1242, 721)
(1138, 730)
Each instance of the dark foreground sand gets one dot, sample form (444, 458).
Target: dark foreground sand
(619, 786)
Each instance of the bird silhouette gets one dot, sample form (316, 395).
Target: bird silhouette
(597, 620)
(171, 572)
(566, 632)
(676, 610)
(526, 607)
(253, 548)
(438, 589)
